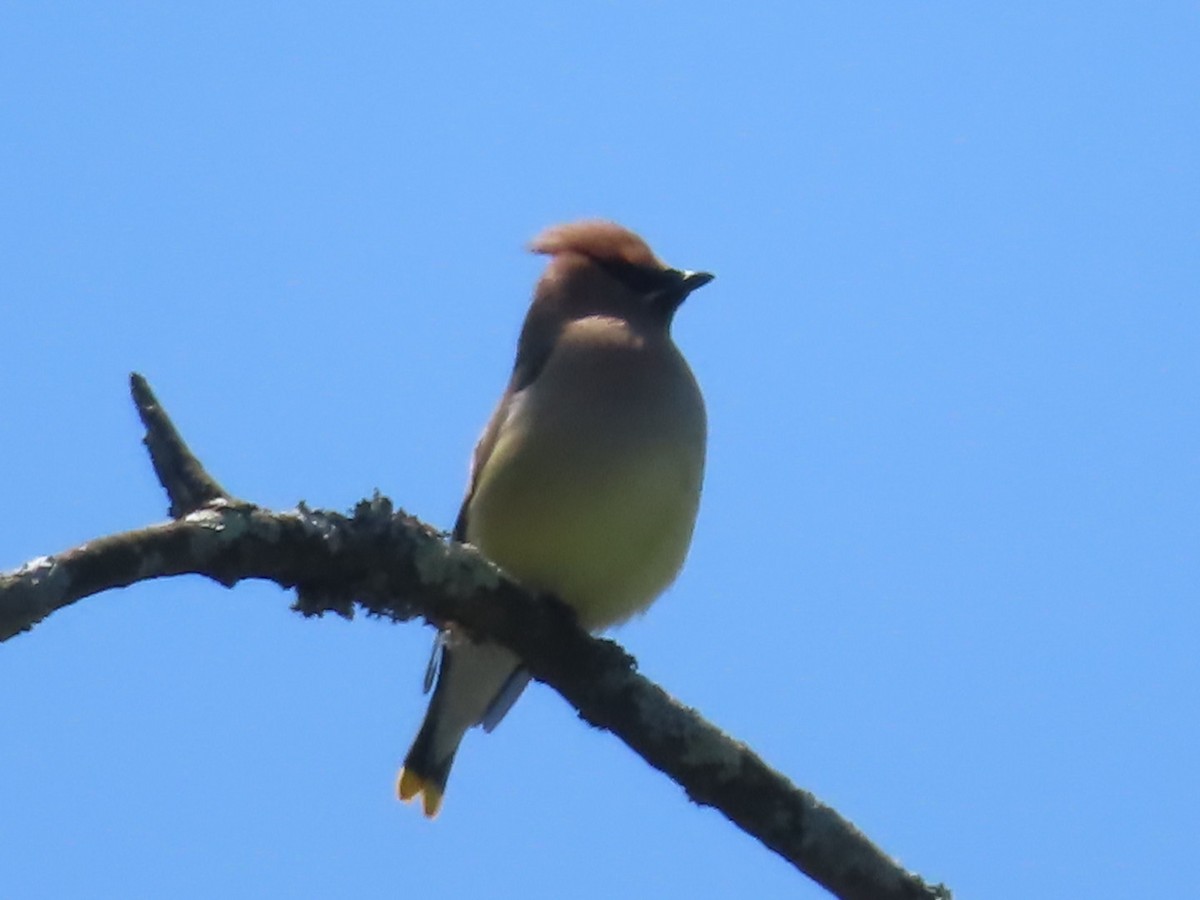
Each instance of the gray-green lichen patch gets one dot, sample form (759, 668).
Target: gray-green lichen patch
(213, 519)
(703, 748)
(319, 523)
(459, 570)
(46, 575)
(701, 745)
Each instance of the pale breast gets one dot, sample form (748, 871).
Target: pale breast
(592, 489)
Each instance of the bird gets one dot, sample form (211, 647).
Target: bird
(586, 481)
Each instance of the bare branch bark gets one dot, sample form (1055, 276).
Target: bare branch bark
(393, 565)
(186, 481)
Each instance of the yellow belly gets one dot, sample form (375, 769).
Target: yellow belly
(606, 539)
(601, 520)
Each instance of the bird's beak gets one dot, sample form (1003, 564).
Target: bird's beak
(689, 281)
(680, 284)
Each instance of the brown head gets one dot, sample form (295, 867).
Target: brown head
(598, 268)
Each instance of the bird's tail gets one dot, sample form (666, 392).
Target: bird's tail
(425, 772)
(476, 684)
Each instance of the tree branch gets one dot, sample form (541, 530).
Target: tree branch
(186, 481)
(391, 564)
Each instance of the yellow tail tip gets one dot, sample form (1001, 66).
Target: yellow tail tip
(409, 785)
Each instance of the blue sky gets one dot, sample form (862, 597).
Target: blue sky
(946, 569)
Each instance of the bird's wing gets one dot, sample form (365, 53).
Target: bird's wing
(533, 351)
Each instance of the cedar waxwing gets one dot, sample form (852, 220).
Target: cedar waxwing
(586, 481)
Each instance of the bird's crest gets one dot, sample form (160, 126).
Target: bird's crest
(603, 241)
